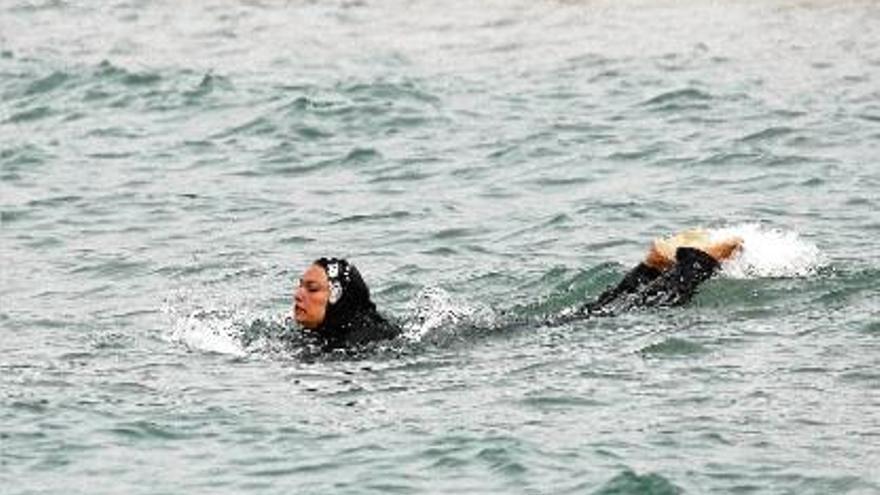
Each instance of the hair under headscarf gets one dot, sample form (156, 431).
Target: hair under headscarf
(349, 294)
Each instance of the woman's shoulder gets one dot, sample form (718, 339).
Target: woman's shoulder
(363, 328)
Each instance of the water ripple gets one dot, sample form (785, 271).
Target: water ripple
(628, 482)
(681, 97)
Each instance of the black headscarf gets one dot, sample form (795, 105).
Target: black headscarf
(349, 295)
(350, 319)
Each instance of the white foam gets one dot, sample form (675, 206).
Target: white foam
(769, 252)
(210, 330)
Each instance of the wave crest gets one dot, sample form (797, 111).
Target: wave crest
(434, 311)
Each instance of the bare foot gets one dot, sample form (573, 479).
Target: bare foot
(725, 249)
(663, 250)
(658, 257)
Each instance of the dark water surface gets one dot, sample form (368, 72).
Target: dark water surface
(169, 168)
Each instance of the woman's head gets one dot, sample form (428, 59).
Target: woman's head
(330, 292)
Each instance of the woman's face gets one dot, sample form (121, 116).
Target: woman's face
(310, 298)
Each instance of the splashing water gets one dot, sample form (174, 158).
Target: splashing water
(769, 253)
(221, 328)
(211, 330)
(434, 309)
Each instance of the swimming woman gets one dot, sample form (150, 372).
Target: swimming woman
(332, 301)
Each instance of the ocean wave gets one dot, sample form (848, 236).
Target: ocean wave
(438, 316)
(628, 482)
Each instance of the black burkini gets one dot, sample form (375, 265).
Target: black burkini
(352, 320)
(647, 287)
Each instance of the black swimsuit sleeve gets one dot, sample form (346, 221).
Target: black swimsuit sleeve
(678, 285)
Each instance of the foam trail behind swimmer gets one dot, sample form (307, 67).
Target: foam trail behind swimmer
(769, 253)
(434, 309)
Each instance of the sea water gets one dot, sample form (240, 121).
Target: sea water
(170, 168)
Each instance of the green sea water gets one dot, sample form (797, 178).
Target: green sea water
(170, 168)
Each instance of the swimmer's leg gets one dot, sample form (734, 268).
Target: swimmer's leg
(637, 278)
(678, 285)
